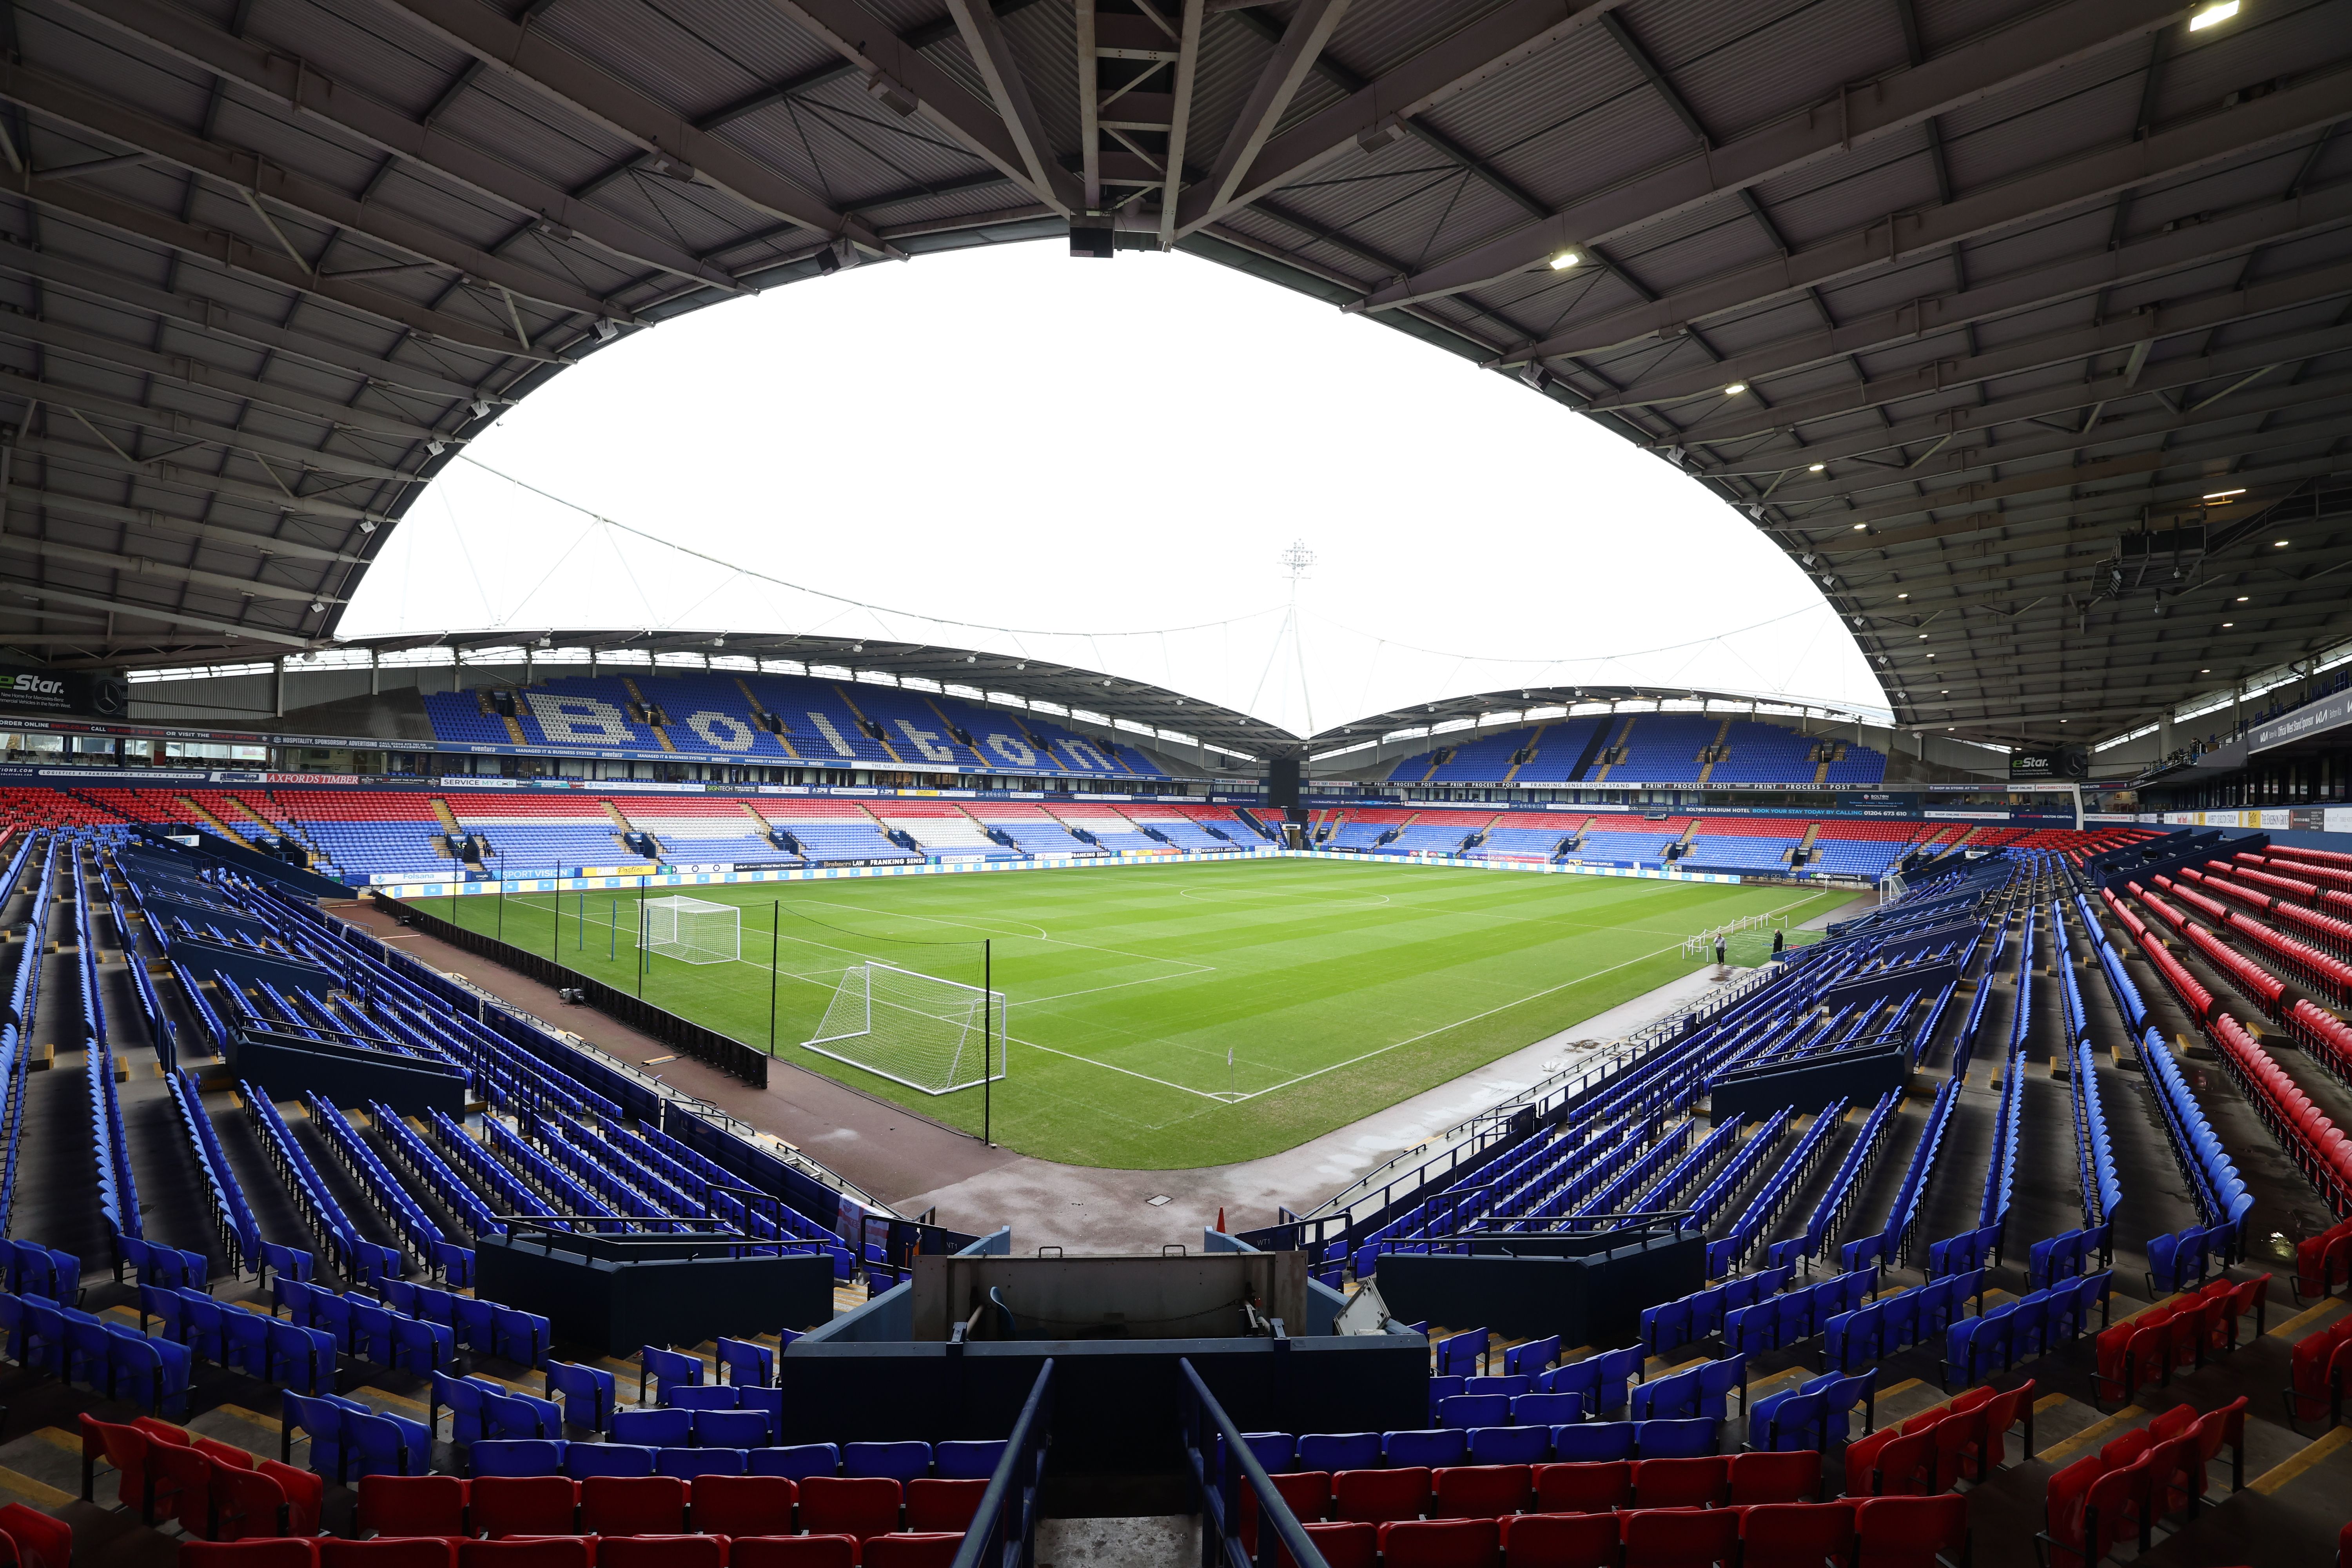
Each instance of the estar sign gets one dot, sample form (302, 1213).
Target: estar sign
(64, 691)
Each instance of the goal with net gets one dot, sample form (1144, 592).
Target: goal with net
(928, 1034)
(692, 931)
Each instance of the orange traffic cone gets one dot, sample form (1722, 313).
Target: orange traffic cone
(1220, 1219)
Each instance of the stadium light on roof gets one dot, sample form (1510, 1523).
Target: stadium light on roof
(2278, 544)
(1817, 467)
(2213, 14)
(1564, 261)
(1735, 389)
(2225, 495)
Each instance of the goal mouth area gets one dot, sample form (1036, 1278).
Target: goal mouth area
(935, 1036)
(690, 930)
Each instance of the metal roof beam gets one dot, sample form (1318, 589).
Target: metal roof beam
(286, 79)
(2043, 43)
(255, 178)
(1480, 51)
(197, 313)
(234, 253)
(147, 566)
(1180, 123)
(2283, 396)
(1916, 321)
(1278, 82)
(2178, 495)
(207, 485)
(198, 377)
(187, 427)
(261, 544)
(2294, 110)
(530, 57)
(2114, 334)
(161, 614)
(902, 79)
(1007, 90)
(1965, 425)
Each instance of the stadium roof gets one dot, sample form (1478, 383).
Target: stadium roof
(1532, 703)
(1137, 706)
(2022, 324)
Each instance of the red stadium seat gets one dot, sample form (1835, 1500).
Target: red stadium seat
(412, 1505)
(1560, 1541)
(1702, 1482)
(933, 1548)
(1795, 1534)
(1347, 1546)
(662, 1551)
(1441, 1543)
(752, 1505)
(945, 1505)
(1680, 1537)
(793, 1552)
(636, 1505)
(41, 1540)
(284, 1553)
(523, 1505)
(1377, 1496)
(388, 1552)
(529, 1552)
(1776, 1478)
(1593, 1487)
(1911, 1533)
(1480, 1491)
(862, 1506)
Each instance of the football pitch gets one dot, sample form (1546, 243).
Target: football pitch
(1179, 1013)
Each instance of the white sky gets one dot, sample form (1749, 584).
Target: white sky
(1091, 453)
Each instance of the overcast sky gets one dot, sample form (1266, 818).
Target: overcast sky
(1108, 458)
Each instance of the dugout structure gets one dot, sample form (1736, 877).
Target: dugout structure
(692, 931)
(928, 1034)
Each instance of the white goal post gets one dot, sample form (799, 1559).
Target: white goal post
(932, 1034)
(692, 931)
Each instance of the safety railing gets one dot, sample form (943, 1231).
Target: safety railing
(1004, 1530)
(1221, 1464)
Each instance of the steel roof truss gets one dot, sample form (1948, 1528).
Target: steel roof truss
(2050, 40)
(2296, 111)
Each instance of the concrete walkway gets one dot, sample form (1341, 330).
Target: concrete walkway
(1088, 1209)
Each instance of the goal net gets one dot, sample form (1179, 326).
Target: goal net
(692, 931)
(928, 1034)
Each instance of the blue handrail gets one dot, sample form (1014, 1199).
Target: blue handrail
(1004, 1530)
(1218, 1487)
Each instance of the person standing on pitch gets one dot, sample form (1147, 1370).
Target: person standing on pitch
(1780, 942)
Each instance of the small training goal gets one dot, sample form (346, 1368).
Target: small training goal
(692, 931)
(933, 1035)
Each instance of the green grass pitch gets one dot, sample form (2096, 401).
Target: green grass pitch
(1337, 987)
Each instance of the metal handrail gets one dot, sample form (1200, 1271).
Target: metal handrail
(1219, 1496)
(1004, 1530)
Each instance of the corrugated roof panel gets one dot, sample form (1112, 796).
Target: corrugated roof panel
(1544, 98)
(2262, 42)
(1562, 157)
(367, 47)
(1777, 64)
